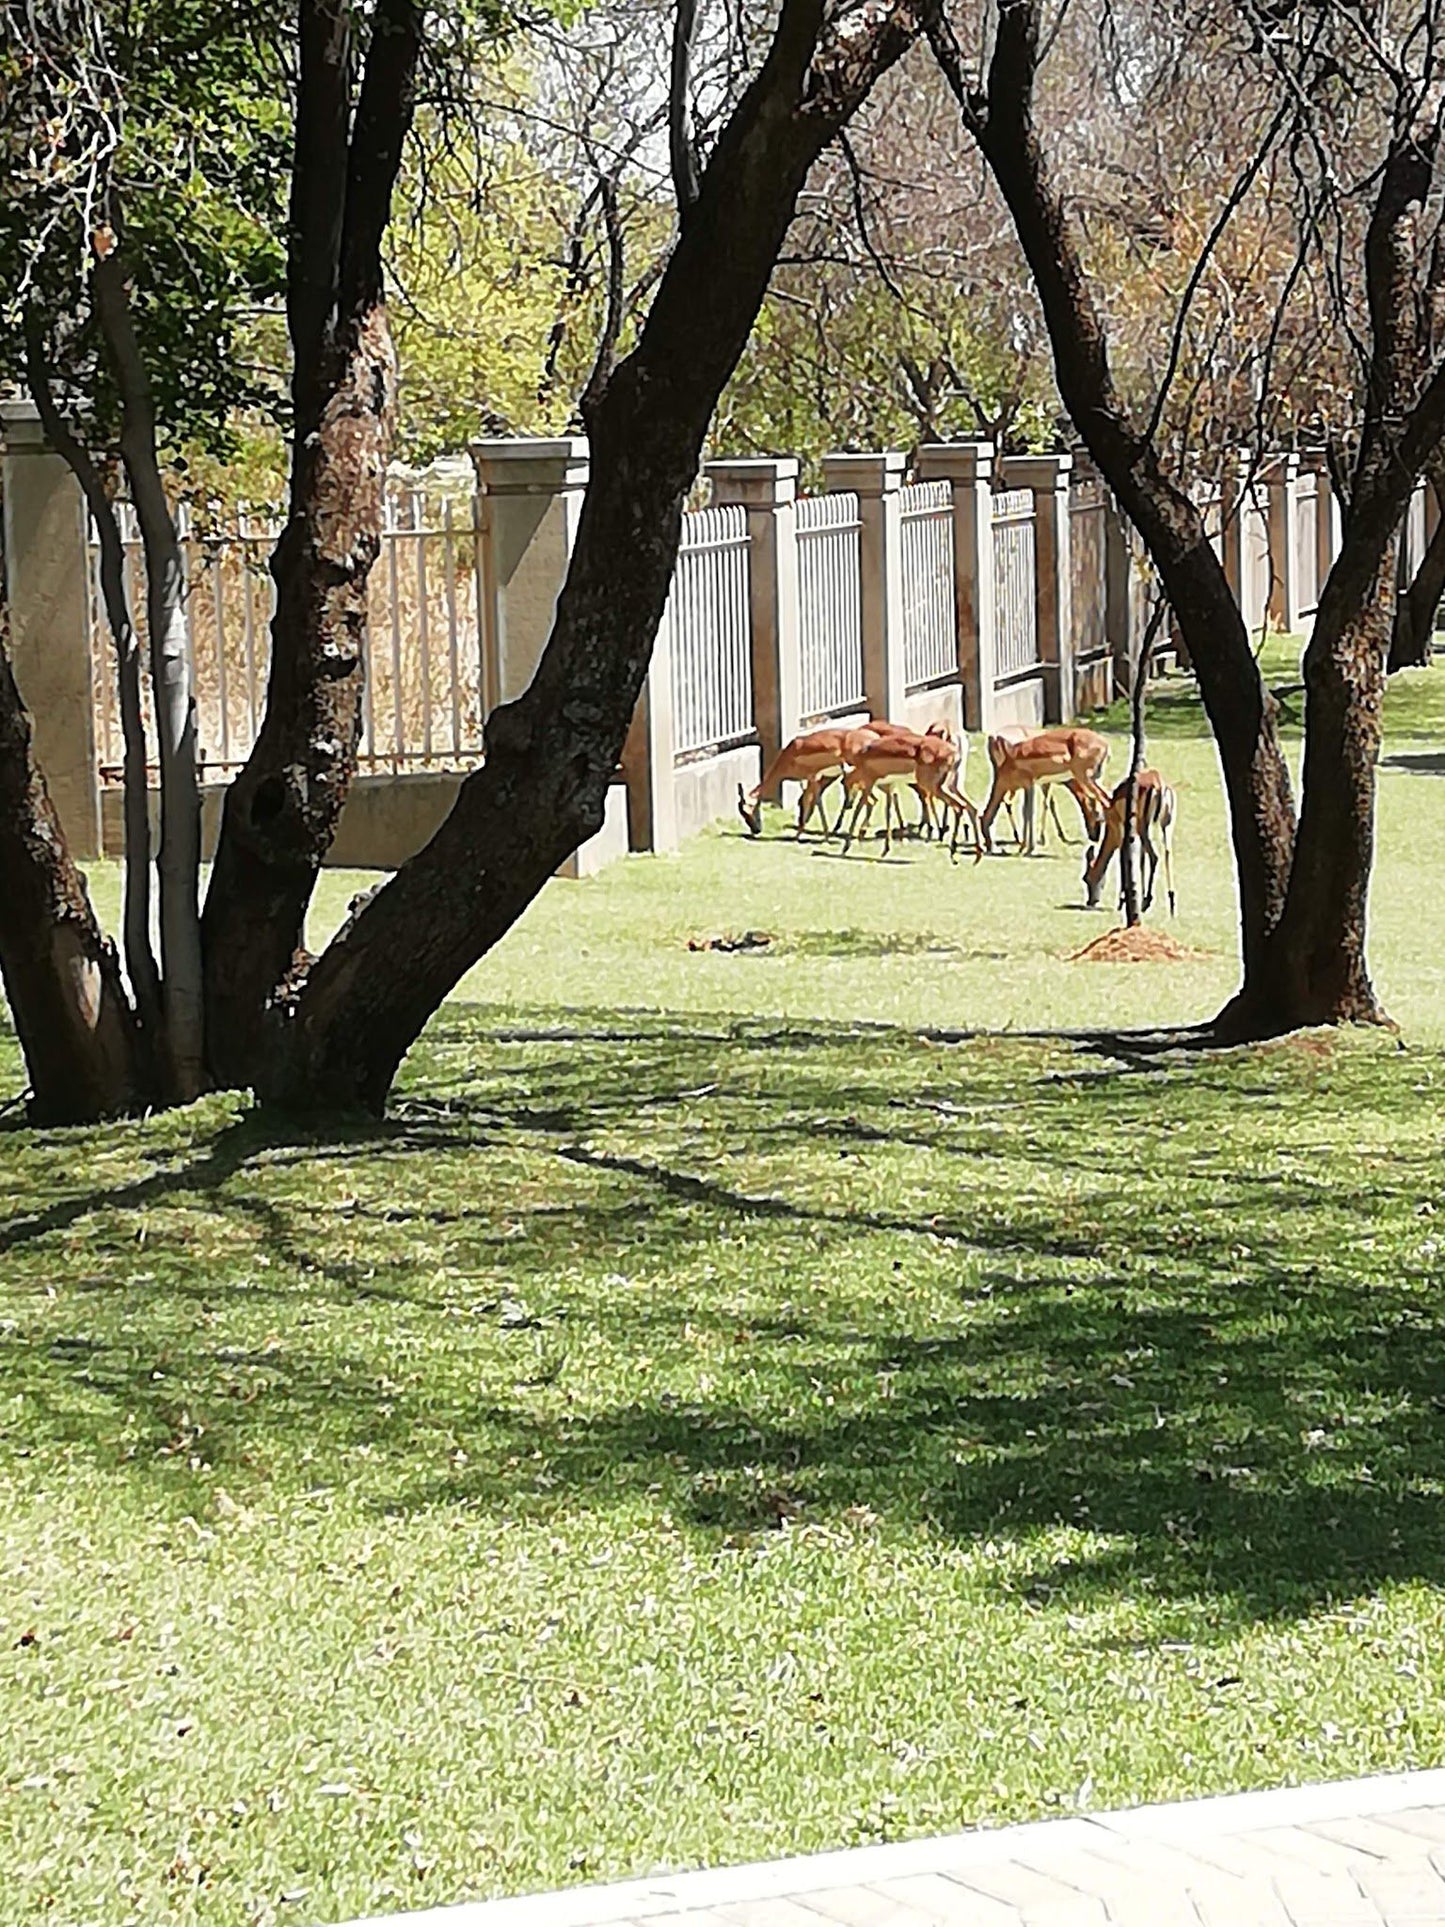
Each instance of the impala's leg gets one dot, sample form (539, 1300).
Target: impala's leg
(1166, 837)
(845, 798)
(1054, 813)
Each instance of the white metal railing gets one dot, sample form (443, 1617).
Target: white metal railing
(1015, 611)
(830, 603)
(1088, 511)
(422, 706)
(708, 627)
(930, 617)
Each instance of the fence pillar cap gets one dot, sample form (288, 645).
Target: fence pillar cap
(1038, 472)
(876, 473)
(956, 461)
(20, 429)
(762, 481)
(1274, 468)
(525, 465)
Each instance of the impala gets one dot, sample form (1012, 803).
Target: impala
(1154, 809)
(932, 764)
(1075, 757)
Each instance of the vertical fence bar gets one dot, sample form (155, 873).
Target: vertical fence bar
(449, 557)
(218, 599)
(392, 529)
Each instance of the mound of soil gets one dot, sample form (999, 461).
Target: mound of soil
(1139, 945)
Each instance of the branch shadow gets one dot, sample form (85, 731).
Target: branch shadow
(1245, 1423)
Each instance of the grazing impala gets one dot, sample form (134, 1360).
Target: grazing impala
(1154, 810)
(814, 760)
(1072, 756)
(932, 764)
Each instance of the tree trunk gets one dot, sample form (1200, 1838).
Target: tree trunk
(178, 861)
(281, 813)
(140, 962)
(60, 974)
(1256, 777)
(1315, 969)
(551, 754)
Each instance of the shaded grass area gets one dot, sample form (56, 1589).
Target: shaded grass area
(664, 1445)
(740, 1402)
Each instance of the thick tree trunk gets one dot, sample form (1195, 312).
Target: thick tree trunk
(61, 975)
(281, 813)
(551, 754)
(178, 861)
(1315, 969)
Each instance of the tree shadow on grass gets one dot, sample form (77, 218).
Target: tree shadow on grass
(1221, 1362)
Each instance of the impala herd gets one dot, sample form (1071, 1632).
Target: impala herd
(885, 759)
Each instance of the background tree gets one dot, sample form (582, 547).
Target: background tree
(136, 231)
(1320, 86)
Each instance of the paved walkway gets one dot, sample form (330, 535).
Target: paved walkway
(1359, 1853)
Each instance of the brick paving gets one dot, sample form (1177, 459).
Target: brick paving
(1357, 1853)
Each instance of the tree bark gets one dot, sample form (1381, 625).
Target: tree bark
(552, 753)
(281, 813)
(140, 962)
(61, 976)
(178, 861)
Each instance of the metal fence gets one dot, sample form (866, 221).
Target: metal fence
(707, 625)
(830, 604)
(1088, 520)
(930, 618)
(423, 697)
(1015, 611)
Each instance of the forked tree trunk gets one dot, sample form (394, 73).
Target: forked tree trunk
(551, 754)
(281, 813)
(61, 976)
(1315, 969)
(1256, 777)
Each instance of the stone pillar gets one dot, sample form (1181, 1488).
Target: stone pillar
(1280, 476)
(46, 560)
(877, 480)
(1047, 478)
(529, 501)
(968, 468)
(1326, 523)
(648, 760)
(768, 490)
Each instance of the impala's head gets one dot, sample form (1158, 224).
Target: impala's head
(1096, 862)
(751, 811)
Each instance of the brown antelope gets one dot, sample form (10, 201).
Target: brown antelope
(1154, 809)
(1072, 756)
(931, 764)
(814, 760)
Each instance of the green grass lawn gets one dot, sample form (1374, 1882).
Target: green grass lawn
(729, 1408)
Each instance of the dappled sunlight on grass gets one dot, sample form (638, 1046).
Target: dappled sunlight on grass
(738, 1402)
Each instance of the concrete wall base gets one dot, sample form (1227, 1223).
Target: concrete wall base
(1093, 684)
(386, 820)
(1019, 702)
(708, 789)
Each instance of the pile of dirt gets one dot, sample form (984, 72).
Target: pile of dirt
(749, 940)
(1139, 945)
